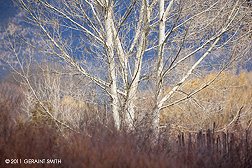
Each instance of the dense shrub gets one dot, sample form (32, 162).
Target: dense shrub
(117, 149)
(99, 145)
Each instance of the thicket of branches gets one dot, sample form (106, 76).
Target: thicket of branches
(106, 83)
(113, 70)
(38, 138)
(122, 54)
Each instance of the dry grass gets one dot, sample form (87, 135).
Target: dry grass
(119, 149)
(22, 139)
(218, 103)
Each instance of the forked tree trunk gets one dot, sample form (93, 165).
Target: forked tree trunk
(130, 100)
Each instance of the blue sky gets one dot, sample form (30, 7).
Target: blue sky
(7, 10)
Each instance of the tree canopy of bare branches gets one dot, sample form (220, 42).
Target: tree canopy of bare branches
(124, 46)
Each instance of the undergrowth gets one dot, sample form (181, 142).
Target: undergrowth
(103, 146)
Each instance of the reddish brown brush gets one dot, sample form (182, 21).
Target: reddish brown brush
(111, 148)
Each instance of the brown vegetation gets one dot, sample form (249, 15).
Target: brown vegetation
(34, 137)
(119, 149)
(226, 101)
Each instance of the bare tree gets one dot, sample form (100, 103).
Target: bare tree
(122, 38)
(204, 29)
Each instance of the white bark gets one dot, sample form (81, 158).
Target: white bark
(112, 66)
(160, 60)
(217, 38)
(131, 97)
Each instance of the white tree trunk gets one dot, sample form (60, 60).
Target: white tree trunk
(131, 97)
(160, 63)
(112, 67)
